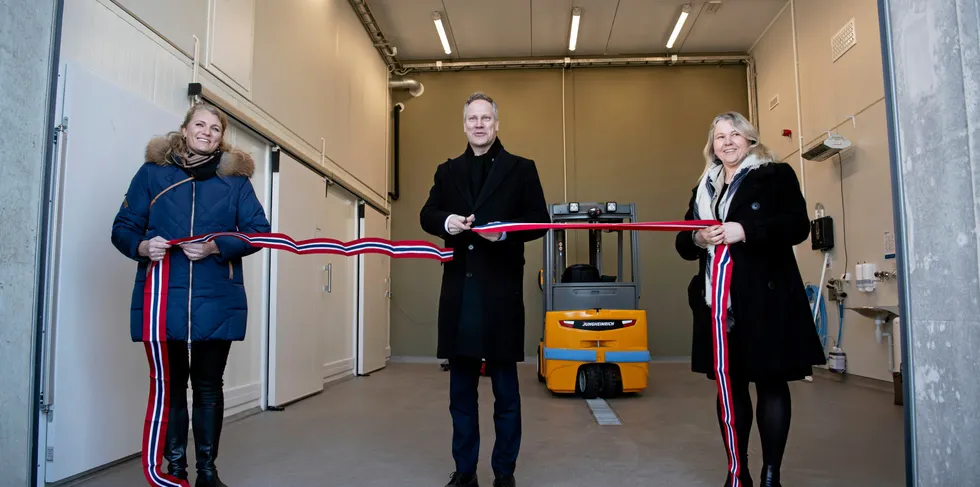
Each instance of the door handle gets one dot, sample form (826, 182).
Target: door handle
(387, 287)
(329, 269)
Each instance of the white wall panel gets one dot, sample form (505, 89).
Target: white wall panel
(368, 101)
(296, 71)
(176, 20)
(99, 39)
(232, 40)
(316, 54)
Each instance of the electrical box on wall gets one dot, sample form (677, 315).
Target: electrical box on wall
(822, 233)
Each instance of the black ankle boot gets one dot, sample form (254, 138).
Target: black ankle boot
(207, 431)
(175, 449)
(744, 478)
(770, 476)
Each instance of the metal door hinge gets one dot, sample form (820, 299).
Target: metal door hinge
(60, 129)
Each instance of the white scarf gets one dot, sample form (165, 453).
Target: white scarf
(709, 190)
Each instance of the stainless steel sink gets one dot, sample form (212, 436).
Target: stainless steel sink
(873, 312)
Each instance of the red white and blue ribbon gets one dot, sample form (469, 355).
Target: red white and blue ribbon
(158, 404)
(155, 322)
(155, 305)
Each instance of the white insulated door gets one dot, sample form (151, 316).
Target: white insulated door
(96, 380)
(312, 308)
(375, 291)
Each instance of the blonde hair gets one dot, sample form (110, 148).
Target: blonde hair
(175, 139)
(745, 128)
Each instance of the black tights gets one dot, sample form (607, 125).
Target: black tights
(774, 411)
(205, 365)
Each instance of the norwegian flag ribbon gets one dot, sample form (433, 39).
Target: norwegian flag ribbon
(721, 281)
(155, 319)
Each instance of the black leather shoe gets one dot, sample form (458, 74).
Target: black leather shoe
(770, 476)
(207, 422)
(459, 480)
(175, 449)
(505, 481)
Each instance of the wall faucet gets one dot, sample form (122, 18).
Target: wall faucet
(885, 275)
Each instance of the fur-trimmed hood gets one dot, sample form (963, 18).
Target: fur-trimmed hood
(233, 163)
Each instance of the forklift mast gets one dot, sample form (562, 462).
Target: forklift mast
(585, 286)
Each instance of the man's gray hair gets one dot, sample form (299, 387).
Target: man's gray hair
(481, 96)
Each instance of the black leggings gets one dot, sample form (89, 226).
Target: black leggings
(206, 368)
(774, 412)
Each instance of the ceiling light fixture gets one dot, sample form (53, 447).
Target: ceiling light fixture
(573, 34)
(680, 24)
(437, 19)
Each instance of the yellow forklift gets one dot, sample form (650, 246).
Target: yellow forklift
(594, 339)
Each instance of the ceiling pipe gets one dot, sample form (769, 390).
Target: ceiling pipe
(575, 62)
(415, 87)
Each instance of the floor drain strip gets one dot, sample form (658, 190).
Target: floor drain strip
(603, 414)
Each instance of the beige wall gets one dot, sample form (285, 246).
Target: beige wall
(830, 93)
(632, 135)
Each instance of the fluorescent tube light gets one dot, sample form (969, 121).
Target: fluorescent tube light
(680, 24)
(573, 35)
(437, 19)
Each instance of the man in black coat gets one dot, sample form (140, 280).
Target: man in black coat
(481, 305)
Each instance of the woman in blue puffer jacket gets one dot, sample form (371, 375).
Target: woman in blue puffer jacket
(193, 183)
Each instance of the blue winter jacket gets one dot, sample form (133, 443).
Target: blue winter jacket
(206, 298)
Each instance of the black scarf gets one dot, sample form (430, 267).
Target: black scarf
(199, 166)
(479, 166)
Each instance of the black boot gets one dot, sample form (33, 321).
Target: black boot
(459, 480)
(504, 481)
(207, 421)
(745, 478)
(770, 476)
(175, 449)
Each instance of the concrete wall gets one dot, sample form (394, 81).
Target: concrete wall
(630, 134)
(933, 86)
(26, 49)
(854, 189)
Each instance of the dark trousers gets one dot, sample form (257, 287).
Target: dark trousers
(464, 380)
(204, 364)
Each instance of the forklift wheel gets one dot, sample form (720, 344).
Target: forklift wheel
(540, 377)
(612, 381)
(589, 381)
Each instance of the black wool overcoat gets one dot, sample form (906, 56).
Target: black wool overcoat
(773, 337)
(482, 289)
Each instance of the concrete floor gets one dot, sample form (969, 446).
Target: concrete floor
(393, 429)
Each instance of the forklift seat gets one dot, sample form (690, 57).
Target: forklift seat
(581, 273)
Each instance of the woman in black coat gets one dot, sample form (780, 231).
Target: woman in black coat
(771, 334)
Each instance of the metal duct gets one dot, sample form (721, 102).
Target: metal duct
(414, 87)
(575, 62)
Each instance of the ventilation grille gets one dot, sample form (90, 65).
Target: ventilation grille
(843, 40)
(773, 102)
(712, 7)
